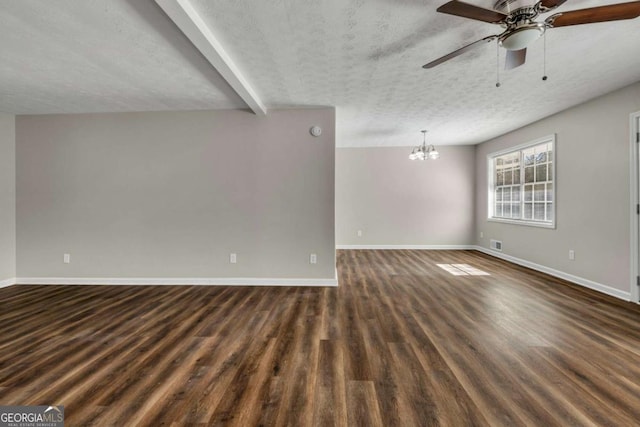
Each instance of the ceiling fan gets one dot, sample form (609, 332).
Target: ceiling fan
(520, 25)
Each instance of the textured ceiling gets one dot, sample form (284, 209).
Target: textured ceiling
(74, 56)
(362, 56)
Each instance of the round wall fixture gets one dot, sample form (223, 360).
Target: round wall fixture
(315, 130)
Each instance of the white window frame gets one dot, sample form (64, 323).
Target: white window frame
(491, 183)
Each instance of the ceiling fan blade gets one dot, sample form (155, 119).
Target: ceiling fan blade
(458, 52)
(515, 58)
(614, 12)
(471, 11)
(551, 4)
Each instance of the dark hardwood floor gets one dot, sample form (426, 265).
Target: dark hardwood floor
(401, 342)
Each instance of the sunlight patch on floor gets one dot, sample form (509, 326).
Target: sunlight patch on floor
(462, 270)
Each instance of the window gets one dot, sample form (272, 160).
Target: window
(521, 184)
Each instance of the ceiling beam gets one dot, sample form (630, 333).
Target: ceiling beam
(189, 21)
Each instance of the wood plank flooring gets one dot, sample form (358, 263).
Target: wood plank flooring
(401, 342)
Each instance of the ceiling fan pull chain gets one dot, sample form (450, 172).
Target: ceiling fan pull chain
(544, 58)
(497, 64)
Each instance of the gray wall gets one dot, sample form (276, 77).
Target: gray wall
(593, 194)
(396, 201)
(172, 194)
(7, 197)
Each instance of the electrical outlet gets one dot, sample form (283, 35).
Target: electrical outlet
(67, 258)
(359, 233)
(313, 259)
(233, 258)
(572, 255)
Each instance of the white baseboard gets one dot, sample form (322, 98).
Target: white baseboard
(234, 281)
(422, 247)
(8, 282)
(626, 296)
(216, 281)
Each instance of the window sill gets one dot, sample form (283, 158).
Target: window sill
(523, 222)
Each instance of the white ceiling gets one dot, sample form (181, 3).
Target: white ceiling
(362, 56)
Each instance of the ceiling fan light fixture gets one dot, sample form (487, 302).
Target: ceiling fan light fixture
(522, 36)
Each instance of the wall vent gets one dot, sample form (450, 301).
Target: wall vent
(496, 245)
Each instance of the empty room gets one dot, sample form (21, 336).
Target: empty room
(319, 213)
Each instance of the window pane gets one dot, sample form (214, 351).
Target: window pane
(528, 157)
(528, 174)
(515, 194)
(515, 210)
(550, 172)
(528, 193)
(538, 211)
(498, 194)
(498, 211)
(541, 173)
(527, 211)
(507, 210)
(549, 211)
(541, 157)
(500, 178)
(512, 158)
(538, 194)
(499, 161)
(549, 192)
(516, 176)
(508, 180)
(506, 194)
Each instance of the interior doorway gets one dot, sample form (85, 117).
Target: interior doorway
(635, 206)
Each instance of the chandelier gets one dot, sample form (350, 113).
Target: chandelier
(423, 152)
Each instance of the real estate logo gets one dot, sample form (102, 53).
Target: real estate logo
(32, 416)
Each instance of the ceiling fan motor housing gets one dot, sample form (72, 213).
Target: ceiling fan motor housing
(508, 6)
(521, 29)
